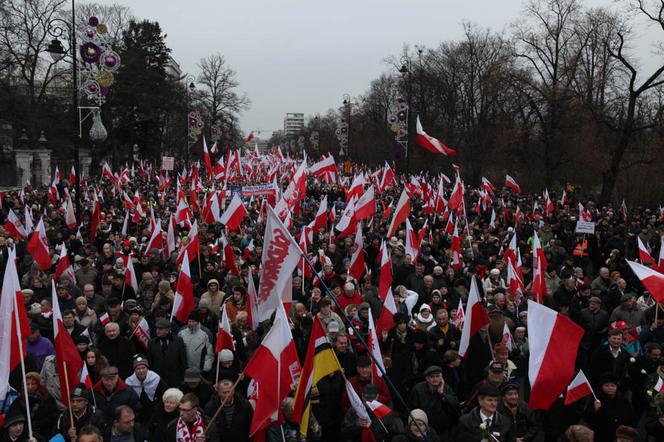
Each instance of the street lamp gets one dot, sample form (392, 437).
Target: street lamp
(315, 135)
(406, 71)
(97, 64)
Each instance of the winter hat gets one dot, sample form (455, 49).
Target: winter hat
(418, 415)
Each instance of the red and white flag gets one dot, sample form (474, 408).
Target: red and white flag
(578, 388)
(234, 214)
(130, 275)
(366, 205)
(347, 222)
(400, 214)
(170, 237)
(507, 337)
(475, 318)
(538, 286)
(253, 315)
(460, 316)
(320, 221)
(660, 258)
(183, 304)
(156, 239)
(644, 253)
(275, 367)
(323, 167)
(64, 267)
(206, 158)
(374, 349)
(142, 333)
(281, 255)
(412, 245)
(38, 247)
(456, 197)
(554, 343)
(14, 326)
(456, 260)
(430, 143)
(85, 377)
(511, 183)
(224, 333)
(356, 269)
(386, 317)
(659, 385)
(104, 318)
(14, 227)
(651, 279)
(193, 246)
(72, 176)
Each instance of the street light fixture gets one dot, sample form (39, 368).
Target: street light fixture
(405, 71)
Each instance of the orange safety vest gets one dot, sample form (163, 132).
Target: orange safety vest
(581, 249)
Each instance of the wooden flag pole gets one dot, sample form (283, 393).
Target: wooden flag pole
(71, 413)
(223, 403)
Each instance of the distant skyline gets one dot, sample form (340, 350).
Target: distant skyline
(303, 55)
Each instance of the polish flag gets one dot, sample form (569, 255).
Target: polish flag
(651, 279)
(366, 205)
(347, 222)
(14, 227)
(548, 204)
(538, 286)
(281, 255)
(96, 216)
(253, 315)
(509, 182)
(356, 188)
(492, 221)
(183, 304)
(234, 214)
(224, 333)
(356, 269)
(456, 198)
(142, 333)
(507, 337)
(156, 239)
(584, 215)
(72, 176)
(412, 244)
(206, 158)
(68, 361)
(211, 210)
(379, 409)
(553, 347)
(14, 326)
(170, 237)
(377, 366)
(320, 222)
(38, 247)
(125, 224)
(29, 225)
(322, 167)
(387, 179)
(64, 267)
(85, 377)
(430, 143)
(193, 246)
(400, 214)
(104, 318)
(460, 316)
(475, 318)
(107, 172)
(578, 388)
(229, 256)
(659, 385)
(274, 365)
(182, 212)
(386, 317)
(644, 254)
(455, 249)
(130, 275)
(486, 185)
(660, 258)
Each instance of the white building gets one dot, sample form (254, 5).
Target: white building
(293, 124)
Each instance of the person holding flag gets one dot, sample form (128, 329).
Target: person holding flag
(80, 411)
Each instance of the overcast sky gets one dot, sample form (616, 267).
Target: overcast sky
(303, 55)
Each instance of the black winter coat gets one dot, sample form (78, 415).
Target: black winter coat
(238, 428)
(469, 428)
(170, 363)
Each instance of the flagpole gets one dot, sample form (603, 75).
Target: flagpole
(216, 378)
(223, 403)
(20, 349)
(71, 412)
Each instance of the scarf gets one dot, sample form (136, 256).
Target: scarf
(149, 385)
(182, 430)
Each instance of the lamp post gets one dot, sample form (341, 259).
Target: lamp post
(405, 71)
(347, 104)
(98, 62)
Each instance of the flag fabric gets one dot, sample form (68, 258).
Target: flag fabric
(224, 333)
(156, 239)
(320, 221)
(275, 367)
(280, 258)
(130, 275)
(553, 347)
(14, 227)
(400, 213)
(37, 247)
(366, 205)
(14, 326)
(430, 143)
(659, 385)
(104, 318)
(319, 362)
(651, 279)
(253, 315)
(578, 388)
(460, 316)
(507, 337)
(377, 365)
(234, 214)
(475, 318)
(183, 303)
(644, 253)
(85, 377)
(142, 333)
(64, 267)
(385, 279)
(511, 183)
(356, 269)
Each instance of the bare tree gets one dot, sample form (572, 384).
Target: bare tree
(116, 17)
(24, 27)
(218, 95)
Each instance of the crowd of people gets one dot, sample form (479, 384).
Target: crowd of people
(177, 387)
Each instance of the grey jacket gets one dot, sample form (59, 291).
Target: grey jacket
(199, 349)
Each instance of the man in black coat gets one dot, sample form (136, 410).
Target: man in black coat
(525, 423)
(612, 359)
(234, 421)
(81, 413)
(437, 399)
(119, 350)
(111, 392)
(594, 321)
(444, 335)
(484, 420)
(125, 427)
(167, 355)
